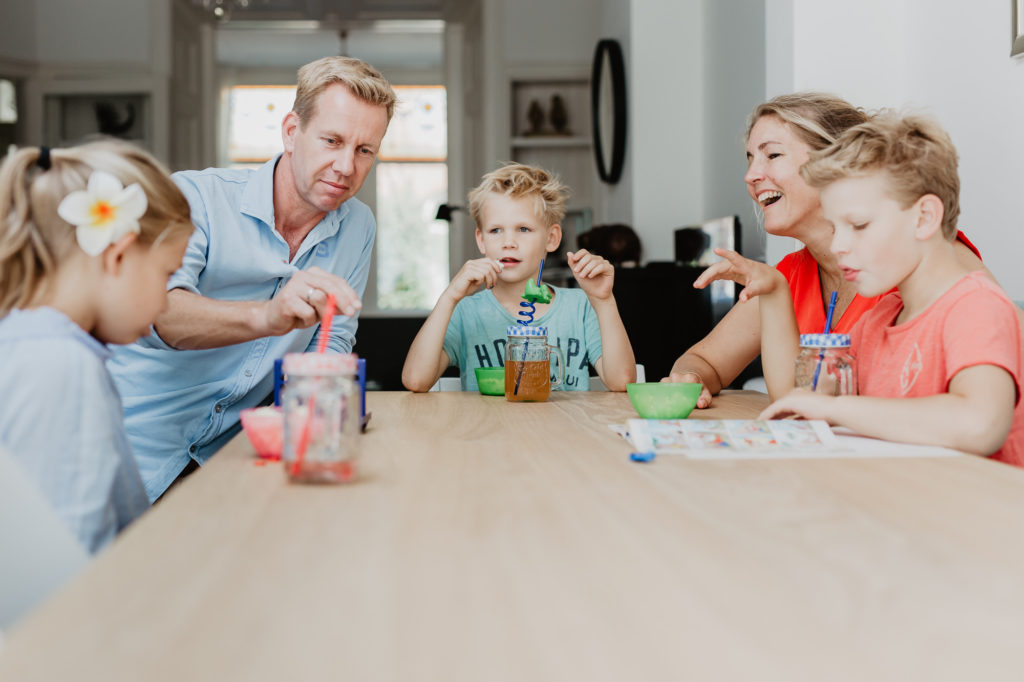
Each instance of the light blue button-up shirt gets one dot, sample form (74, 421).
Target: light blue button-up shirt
(61, 420)
(184, 404)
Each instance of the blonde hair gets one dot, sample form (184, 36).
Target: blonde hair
(34, 240)
(518, 180)
(362, 80)
(915, 152)
(817, 117)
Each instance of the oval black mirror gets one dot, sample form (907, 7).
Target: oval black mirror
(608, 109)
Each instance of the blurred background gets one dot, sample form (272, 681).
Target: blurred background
(206, 82)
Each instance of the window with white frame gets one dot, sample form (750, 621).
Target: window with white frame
(412, 181)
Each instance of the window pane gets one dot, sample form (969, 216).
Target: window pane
(254, 133)
(412, 247)
(419, 128)
(8, 103)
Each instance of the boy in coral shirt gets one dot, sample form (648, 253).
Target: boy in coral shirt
(940, 361)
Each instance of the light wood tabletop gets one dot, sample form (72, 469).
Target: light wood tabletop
(496, 541)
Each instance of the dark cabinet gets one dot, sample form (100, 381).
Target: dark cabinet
(663, 314)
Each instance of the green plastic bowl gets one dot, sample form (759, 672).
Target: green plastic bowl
(663, 400)
(490, 380)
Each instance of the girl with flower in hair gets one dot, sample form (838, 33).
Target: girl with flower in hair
(88, 239)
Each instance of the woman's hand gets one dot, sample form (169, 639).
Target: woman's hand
(594, 273)
(756, 278)
(704, 399)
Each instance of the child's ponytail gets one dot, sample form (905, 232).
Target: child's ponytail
(27, 256)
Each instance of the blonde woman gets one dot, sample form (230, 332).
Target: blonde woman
(781, 134)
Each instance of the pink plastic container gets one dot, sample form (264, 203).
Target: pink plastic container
(265, 428)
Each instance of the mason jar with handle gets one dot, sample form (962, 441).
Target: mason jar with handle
(825, 364)
(528, 364)
(321, 405)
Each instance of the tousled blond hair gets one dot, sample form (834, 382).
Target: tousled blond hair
(34, 240)
(817, 117)
(914, 151)
(517, 180)
(362, 80)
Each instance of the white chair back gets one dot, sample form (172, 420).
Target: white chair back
(447, 384)
(39, 553)
(597, 385)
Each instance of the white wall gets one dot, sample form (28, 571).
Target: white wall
(961, 70)
(778, 79)
(695, 72)
(18, 31)
(857, 50)
(666, 120)
(96, 31)
(544, 32)
(943, 57)
(734, 83)
(68, 47)
(615, 202)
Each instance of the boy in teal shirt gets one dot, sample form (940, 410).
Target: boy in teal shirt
(518, 210)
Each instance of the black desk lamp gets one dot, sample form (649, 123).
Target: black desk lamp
(444, 212)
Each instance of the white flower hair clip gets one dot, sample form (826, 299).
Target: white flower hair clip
(104, 212)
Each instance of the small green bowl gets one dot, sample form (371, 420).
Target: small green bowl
(663, 400)
(490, 380)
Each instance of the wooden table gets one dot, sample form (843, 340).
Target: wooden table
(497, 541)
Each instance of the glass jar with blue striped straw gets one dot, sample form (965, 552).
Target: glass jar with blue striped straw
(528, 364)
(825, 365)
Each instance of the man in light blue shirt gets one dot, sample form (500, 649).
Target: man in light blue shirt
(270, 245)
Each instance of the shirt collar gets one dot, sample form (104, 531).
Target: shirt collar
(258, 201)
(258, 197)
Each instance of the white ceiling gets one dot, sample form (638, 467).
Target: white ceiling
(333, 12)
(285, 47)
(283, 33)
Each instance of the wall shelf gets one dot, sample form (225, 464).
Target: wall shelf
(557, 141)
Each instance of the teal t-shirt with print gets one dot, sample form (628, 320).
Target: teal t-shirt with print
(476, 335)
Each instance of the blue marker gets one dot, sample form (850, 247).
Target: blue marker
(828, 328)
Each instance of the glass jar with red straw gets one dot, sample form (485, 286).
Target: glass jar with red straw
(322, 413)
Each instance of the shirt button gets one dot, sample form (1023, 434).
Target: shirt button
(248, 372)
(192, 449)
(217, 408)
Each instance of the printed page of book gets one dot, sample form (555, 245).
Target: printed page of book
(761, 439)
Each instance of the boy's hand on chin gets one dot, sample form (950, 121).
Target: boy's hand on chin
(757, 279)
(594, 273)
(473, 275)
(800, 403)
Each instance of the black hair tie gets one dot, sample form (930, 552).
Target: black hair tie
(44, 158)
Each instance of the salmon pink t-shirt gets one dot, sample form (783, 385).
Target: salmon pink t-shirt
(801, 271)
(973, 323)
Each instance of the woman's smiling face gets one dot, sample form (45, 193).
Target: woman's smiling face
(774, 156)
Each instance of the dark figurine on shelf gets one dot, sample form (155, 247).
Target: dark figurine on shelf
(536, 116)
(559, 115)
